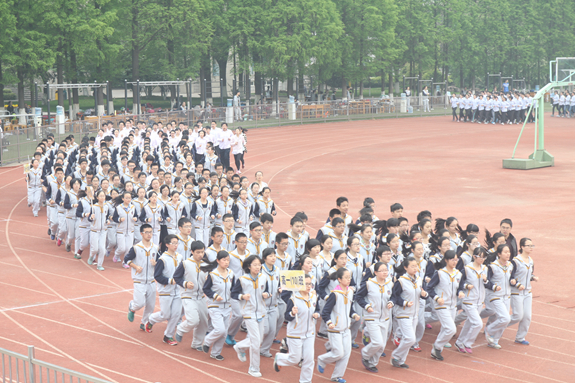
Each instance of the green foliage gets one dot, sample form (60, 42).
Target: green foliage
(335, 41)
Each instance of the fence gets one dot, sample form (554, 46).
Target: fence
(27, 369)
(19, 143)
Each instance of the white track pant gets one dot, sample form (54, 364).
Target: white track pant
(446, 318)
(270, 325)
(378, 335)
(203, 235)
(300, 350)
(236, 318)
(339, 354)
(171, 311)
(407, 326)
(472, 325)
(124, 243)
(497, 309)
(252, 342)
(521, 307)
(34, 199)
(82, 238)
(220, 318)
(196, 312)
(72, 224)
(112, 239)
(420, 328)
(281, 316)
(62, 227)
(137, 234)
(144, 296)
(98, 245)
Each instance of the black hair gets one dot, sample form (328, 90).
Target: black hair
(295, 220)
(493, 256)
(491, 240)
(120, 199)
(441, 223)
(465, 246)
(395, 206)
(336, 221)
(183, 221)
(267, 252)
(338, 274)
(144, 227)
(254, 225)
(378, 265)
(449, 254)
(266, 217)
(310, 244)
(341, 200)
(169, 238)
(507, 221)
(216, 230)
(401, 268)
(337, 255)
(380, 250)
(471, 228)
(333, 213)
(248, 262)
(210, 266)
(241, 235)
(301, 215)
(522, 243)
(368, 201)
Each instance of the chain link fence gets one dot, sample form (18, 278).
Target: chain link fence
(19, 143)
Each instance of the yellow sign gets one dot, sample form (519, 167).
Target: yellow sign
(292, 280)
(26, 168)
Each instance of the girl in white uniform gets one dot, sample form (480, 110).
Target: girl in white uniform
(139, 204)
(70, 204)
(375, 298)
(406, 294)
(252, 288)
(271, 272)
(34, 183)
(203, 212)
(152, 215)
(217, 289)
(301, 314)
(338, 314)
(243, 212)
(497, 300)
(521, 297)
(473, 284)
(191, 279)
(173, 212)
(82, 213)
(98, 217)
(443, 288)
(125, 216)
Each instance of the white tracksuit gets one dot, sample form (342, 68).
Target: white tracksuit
(521, 300)
(144, 285)
(169, 292)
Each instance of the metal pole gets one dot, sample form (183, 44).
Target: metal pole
(125, 96)
(178, 92)
(403, 86)
(31, 369)
(48, 90)
(222, 93)
(35, 95)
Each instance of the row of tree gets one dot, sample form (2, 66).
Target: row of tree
(336, 41)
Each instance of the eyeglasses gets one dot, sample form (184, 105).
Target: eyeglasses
(147, 232)
(309, 284)
(531, 246)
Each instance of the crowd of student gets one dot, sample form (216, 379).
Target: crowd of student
(497, 107)
(197, 235)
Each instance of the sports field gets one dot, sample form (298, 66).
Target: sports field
(76, 316)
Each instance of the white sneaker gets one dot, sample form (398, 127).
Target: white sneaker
(241, 355)
(489, 339)
(255, 374)
(494, 345)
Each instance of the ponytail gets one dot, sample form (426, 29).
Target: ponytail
(336, 256)
(338, 274)
(449, 254)
(210, 266)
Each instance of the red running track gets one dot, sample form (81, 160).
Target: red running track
(76, 316)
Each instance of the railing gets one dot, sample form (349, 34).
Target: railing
(18, 144)
(27, 369)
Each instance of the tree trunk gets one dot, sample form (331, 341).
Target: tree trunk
(382, 81)
(135, 55)
(1, 87)
(21, 101)
(60, 71)
(74, 77)
(343, 88)
(258, 80)
(290, 86)
(223, 64)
